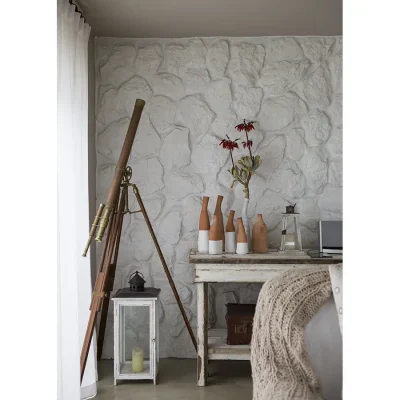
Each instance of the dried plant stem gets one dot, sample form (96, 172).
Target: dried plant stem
(246, 187)
(233, 164)
(247, 137)
(246, 191)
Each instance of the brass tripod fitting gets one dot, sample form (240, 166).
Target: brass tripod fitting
(134, 188)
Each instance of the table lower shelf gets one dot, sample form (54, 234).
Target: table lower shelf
(218, 349)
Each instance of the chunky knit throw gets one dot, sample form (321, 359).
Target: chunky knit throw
(280, 366)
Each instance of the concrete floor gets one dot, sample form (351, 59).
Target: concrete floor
(177, 381)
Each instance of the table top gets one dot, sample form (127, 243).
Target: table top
(272, 257)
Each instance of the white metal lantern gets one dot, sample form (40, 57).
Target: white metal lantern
(136, 334)
(291, 241)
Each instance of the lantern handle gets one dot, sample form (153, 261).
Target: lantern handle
(137, 273)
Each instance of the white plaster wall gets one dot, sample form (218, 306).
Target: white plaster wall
(196, 90)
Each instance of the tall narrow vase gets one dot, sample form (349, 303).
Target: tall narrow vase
(230, 234)
(246, 222)
(204, 227)
(216, 237)
(242, 246)
(220, 218)
(260, 236)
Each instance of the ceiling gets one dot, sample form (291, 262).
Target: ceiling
(192, 18)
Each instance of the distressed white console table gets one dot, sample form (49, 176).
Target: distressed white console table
(249, 268)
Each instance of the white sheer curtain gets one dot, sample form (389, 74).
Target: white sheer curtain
(74, 286)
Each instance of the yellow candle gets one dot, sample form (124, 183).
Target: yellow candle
(290, 241)
(137, 359)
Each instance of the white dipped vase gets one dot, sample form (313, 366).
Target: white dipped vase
(215, 246)
(230, 242)
(242, 248)
(246, 222)
(202, 242)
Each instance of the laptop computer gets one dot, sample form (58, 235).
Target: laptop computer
(330, 237)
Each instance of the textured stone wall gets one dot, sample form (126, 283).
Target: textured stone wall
(196, 91)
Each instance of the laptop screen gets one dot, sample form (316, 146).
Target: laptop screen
(331, 235)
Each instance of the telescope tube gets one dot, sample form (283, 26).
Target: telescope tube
(120, 168)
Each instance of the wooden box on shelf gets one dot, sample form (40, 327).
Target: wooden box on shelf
(239, 320)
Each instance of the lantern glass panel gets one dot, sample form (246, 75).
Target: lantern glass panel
(290, 226)
(290, 242)
(135, 336)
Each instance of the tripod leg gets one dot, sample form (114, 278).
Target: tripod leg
(95, 306)
(103, 317)
(98, 293)
(109, 284)
(164, 264)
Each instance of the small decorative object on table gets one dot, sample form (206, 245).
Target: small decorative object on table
(246, 221)
(216, 237)
(220, 217)
(243, 170)
(230, 234)
(142, 365)
(242, 246)
(290, 209)
(260, 236)
(291, 242)
(239, 319)
(215, 244)
(204, 227)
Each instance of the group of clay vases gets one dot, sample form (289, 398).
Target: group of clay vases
(214, 240)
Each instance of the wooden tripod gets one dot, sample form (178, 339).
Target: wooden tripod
(110, 217)
(106, 272)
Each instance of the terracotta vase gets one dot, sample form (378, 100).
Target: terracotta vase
(220, 218)
(216, 237)
(204, 227)
(230, 234)
(260, 236)
(242, 246)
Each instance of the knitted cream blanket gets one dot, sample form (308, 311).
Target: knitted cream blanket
(280, 366)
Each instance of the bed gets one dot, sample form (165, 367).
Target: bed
(296, 349)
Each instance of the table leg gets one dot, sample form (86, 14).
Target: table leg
(202, 333)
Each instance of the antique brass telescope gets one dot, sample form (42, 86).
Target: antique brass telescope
(101, 221)
(110, 217)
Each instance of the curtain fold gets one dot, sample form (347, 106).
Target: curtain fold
(74, 284)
